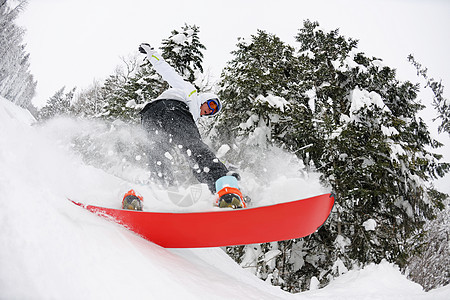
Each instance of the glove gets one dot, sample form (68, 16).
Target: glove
(145, 48)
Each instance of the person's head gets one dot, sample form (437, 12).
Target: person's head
(210, 104)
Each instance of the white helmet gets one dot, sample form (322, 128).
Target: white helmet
(212, 100)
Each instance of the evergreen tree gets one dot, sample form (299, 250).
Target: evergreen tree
(116, 96)
(57, 105)
(16, 82)
(264, 106)
(430, 268)
(87, 103)
(183, 51)
(346, 115)
(441, 104)
(374, 151)
(126, 92)
(257, 87)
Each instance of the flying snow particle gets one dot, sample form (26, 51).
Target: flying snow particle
(369, 225)
(223, 150)
(314, 283)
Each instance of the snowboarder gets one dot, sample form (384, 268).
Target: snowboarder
(170, 120)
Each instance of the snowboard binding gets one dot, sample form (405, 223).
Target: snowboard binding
(229, 194)
(231, 197)
(131, 201)
(230, 200)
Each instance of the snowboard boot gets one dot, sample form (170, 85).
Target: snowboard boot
(131, 201)
(231, 197)
(229, 194)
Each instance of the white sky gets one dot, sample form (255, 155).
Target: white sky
(73, 42)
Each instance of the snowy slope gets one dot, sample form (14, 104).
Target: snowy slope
(50, 248)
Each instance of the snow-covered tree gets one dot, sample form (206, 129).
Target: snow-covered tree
(87, 103)
(264, 106)
(441, 104)
(118, 94)
(133, 85)
(183, 50)
(431, 266)
(347, 116)
(16, 82)
(257, 89)
(124, 93)
(375, 148)
(57, 105)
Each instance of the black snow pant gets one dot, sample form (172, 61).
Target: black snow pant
(170, 124)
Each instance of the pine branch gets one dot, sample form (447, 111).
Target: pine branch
(441, 104)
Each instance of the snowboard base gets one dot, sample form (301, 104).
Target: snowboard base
(226, 227)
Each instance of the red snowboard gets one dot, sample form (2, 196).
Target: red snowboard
(277, 222)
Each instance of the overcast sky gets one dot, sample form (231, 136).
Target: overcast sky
(73, 42)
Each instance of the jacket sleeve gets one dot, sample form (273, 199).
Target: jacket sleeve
(169, 74)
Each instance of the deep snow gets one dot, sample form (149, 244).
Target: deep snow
(50, 248)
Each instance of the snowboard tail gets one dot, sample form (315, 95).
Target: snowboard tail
(283, 221)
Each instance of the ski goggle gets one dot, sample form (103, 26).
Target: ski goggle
(214, 106)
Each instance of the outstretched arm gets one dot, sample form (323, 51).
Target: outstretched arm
(165, 70)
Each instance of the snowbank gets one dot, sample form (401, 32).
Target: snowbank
(51, 248)
(382, 281)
